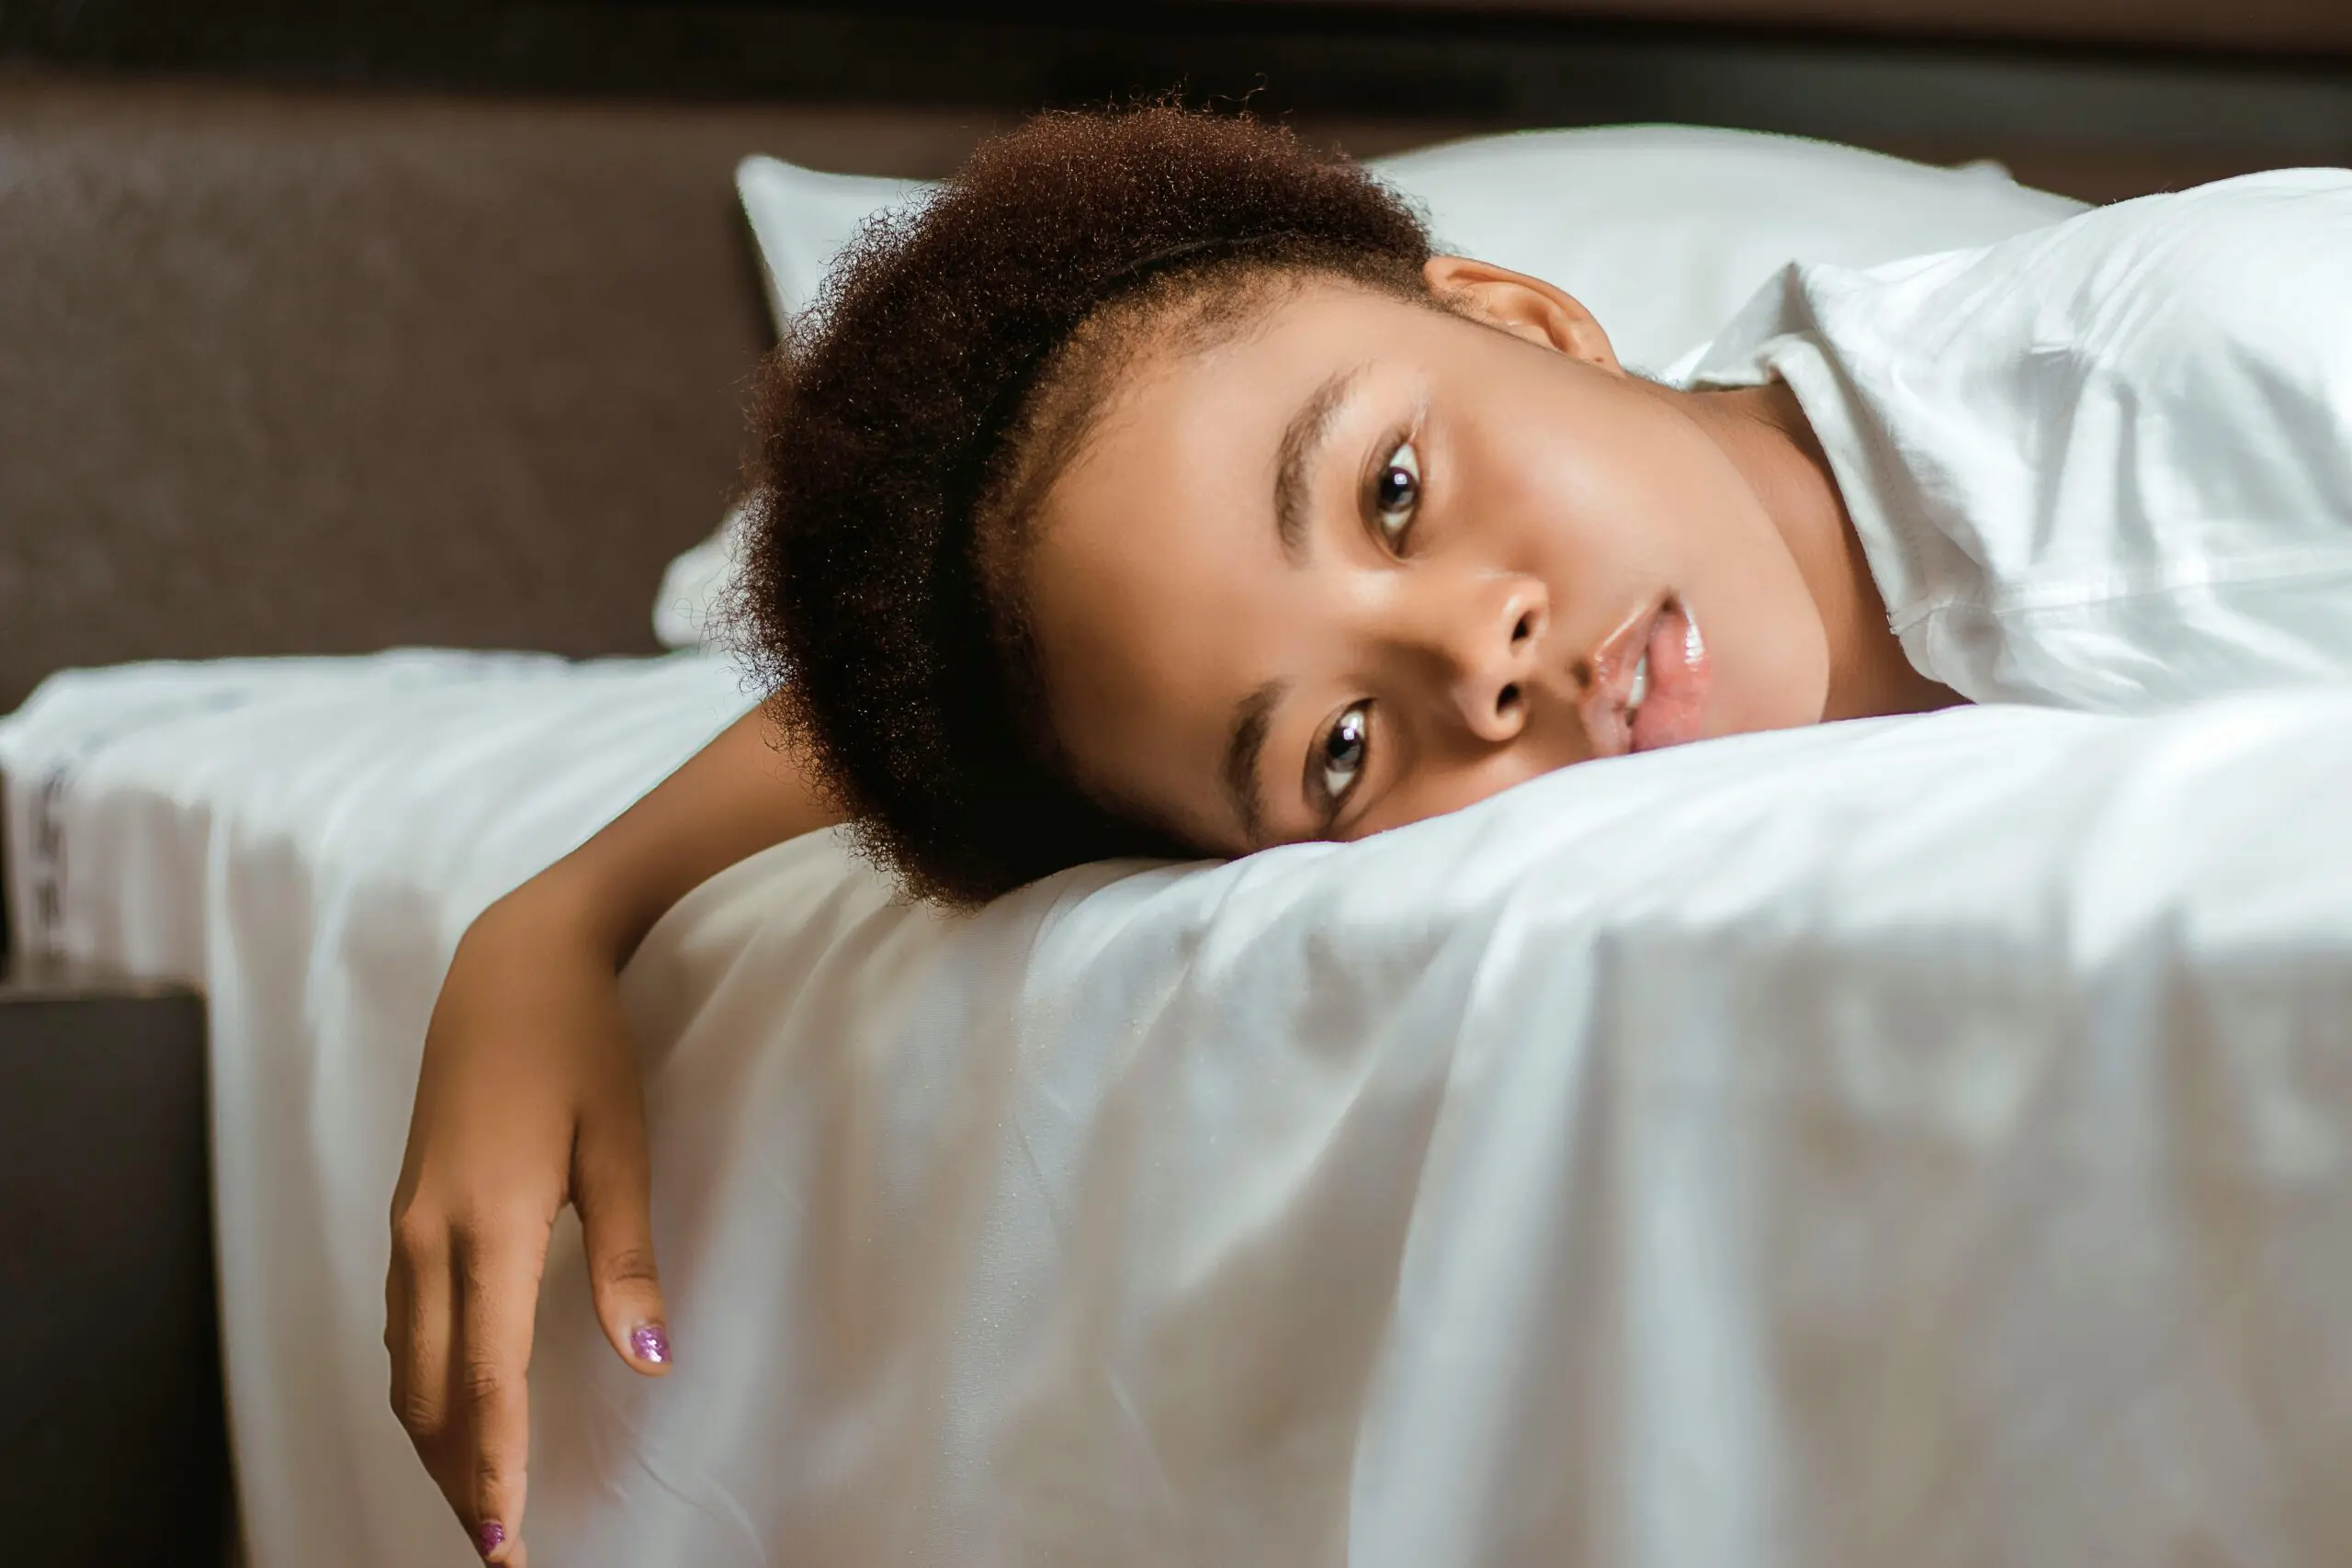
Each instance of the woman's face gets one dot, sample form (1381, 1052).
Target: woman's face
(1365, 561)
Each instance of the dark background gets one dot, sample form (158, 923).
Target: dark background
(2098, 97)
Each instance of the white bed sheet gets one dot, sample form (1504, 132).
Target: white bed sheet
(1918, 1141)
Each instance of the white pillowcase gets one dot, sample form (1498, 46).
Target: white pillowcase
(802, 218)
(689, 610)
(1662, 230)
(1665, 232)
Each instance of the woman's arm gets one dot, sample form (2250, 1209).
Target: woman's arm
(737, 796)
(528, 1099)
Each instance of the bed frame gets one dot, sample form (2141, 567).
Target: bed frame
(115, 1443)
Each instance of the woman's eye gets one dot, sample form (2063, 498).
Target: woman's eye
(1395, 492)
(1344, 745)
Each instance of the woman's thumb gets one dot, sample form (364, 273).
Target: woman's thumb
(612, 1191)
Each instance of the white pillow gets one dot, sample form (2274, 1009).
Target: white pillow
(688, 611)
(1665, 232)
(802, 218)
(1662, 230)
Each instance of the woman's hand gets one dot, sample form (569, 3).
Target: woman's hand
(528, 1099)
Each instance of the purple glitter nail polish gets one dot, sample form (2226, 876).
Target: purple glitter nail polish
(651, 1343)
(490, 1537)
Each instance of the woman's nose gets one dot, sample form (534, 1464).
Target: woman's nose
(1489, 647)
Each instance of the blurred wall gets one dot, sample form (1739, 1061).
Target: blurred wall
(2098, 97)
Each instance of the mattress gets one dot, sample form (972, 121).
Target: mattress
(1916, 1141)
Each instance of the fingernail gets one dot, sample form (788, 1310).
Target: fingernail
(651, 1342)
(490, 1537)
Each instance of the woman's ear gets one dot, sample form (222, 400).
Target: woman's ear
(1523, 306)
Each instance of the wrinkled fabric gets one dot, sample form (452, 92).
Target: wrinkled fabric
(2105, 465)
(1917, 1141)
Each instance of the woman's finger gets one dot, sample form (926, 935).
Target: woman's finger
(500, 1264)
(420, 1314)
(399, 1365)
(416, 1330)
(611, 1187)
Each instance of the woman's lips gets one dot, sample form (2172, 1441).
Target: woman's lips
(1648, 684)
(1675, 709)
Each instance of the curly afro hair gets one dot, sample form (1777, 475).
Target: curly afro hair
(947, 372)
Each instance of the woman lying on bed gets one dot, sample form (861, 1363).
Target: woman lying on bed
(1155, 491)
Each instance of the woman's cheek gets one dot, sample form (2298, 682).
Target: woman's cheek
(1776, 676)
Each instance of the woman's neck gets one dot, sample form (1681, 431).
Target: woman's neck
(1764, 432)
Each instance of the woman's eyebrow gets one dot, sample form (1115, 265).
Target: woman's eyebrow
(1303, 437)
(1251, 715)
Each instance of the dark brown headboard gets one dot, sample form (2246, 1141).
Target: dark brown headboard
(2303, 28)
(285, 371)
